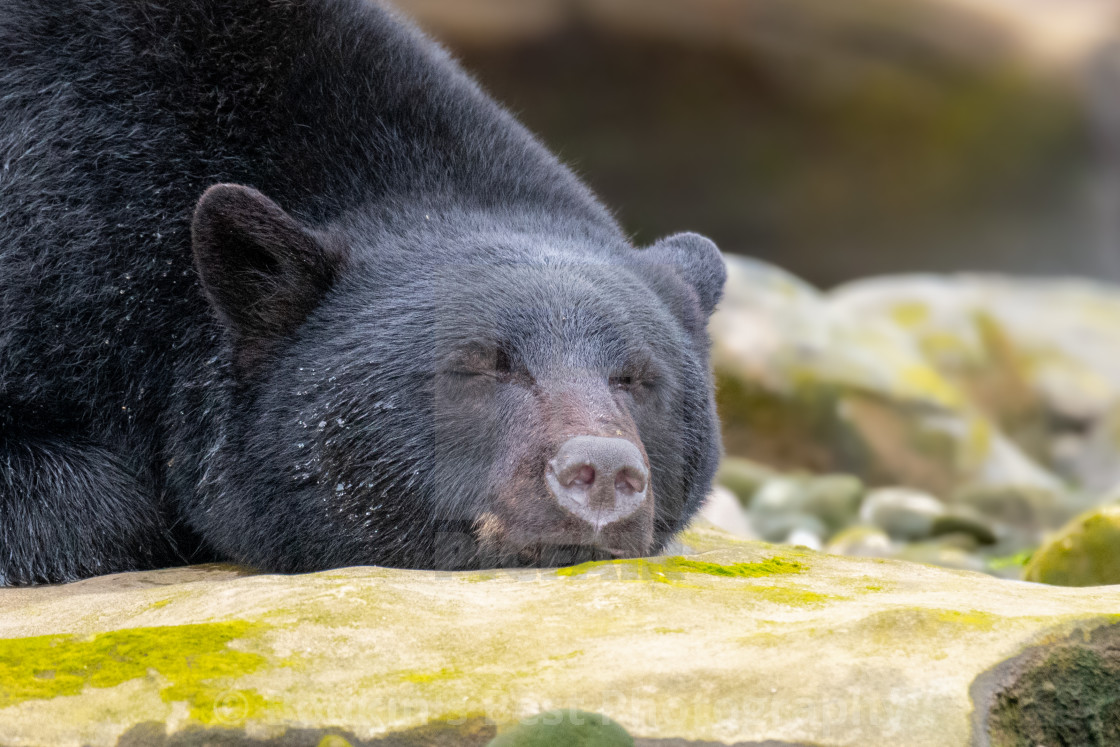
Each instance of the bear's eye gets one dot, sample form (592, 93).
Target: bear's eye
(502, 363)
(479, 362)
(623, 382)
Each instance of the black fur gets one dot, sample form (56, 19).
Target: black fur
(339, 367)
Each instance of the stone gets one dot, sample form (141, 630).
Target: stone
(903, 513)
(1086, 552)
(862, 541)
(723, 510)
(960, 520)
(1032, 354)
(814, 382)
(781, 527)
(565, 727)
(834, 499)
(744, 643)
(1029, 510)
(743, 477)
(942, 553)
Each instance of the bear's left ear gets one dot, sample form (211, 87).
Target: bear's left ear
(697, 261)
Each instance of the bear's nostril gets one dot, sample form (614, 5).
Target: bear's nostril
(599, 479)
(582, 477)
(629, 481)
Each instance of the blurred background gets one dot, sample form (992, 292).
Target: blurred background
(838, 139)
(918, 351)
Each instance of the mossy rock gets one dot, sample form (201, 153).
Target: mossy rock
(1086, 552)
(803, 383)
(565, 729)
(744, 643)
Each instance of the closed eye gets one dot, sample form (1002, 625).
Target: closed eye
(477, 362)
(624, 382)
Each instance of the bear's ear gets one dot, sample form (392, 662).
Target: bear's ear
(262, 271)
(697, 261)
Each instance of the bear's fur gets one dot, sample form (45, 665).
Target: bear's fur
(279, 285)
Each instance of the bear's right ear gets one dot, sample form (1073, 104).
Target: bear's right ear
(697, 261)
(261, 270)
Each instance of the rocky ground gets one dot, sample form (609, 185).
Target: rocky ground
(957, 420)
(734, 643)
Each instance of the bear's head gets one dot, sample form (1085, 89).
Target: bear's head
(449, 389)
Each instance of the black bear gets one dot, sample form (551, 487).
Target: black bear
(280, 285)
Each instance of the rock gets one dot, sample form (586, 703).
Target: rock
(1094, 460)
(723, 510)
(743, 644)
(1034, 355)
(743, 477)
(781, 503)
(565, 727)
(805, 383)
(944, 554)
(781, 527)
(802, 536)
(960, 520)
(903, 513)
(1028, 510)
(834, 499)
(1086, 552)
(779, 509)
(862, 541)
(779, 497)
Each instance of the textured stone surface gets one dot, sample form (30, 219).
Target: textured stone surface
(744, 643)
(1086, 552)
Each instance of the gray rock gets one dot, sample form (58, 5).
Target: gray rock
(724, 511)
(903, 513)
(743, 477)
(834, 499)
(862, 541)
(962, 520)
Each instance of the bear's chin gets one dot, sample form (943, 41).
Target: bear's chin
(503, 544)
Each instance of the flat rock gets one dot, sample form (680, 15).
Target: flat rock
(742, 643)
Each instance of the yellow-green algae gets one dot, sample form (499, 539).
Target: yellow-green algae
(194, 660)
(663, 569)
(420, 678)
(792, 596)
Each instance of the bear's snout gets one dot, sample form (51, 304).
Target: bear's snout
(598, 479)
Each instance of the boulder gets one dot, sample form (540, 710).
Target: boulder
(1036, 356)
(807, 383)
(744, 643)
(1086, 552)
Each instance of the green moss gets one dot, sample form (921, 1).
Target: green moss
(195, 660)
(792, 597)
(1063, 692)
(663, 569)
(565, 728)
(425, 677)
(1017, 560)
(972, 618)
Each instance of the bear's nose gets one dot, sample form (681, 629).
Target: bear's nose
(599, 479)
